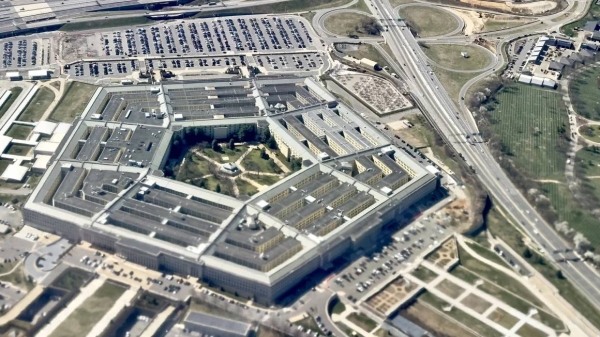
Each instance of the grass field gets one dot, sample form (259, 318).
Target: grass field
(584, 93)
(105, 23)
(448, 55)
(73, 101)
(503, 318)
(37, 105)
(338, 307)
(570, 210)
(245, 187)
(429, 21)
(592, 14)
(476, 303)
(18, 149)
(362, 321)
(499, 226)
(366, 50)
(453, 81)
(253, 162)
(435, 321)
(264, 179)
(345, 24)
(590, 132)
(530, 331)
(194, 167)
(19, 131)
(83, 319)
(15, 92)
(450, 288)
(461, 316)
(526, 120)
(232, 155)
(487, 254)
(72, 278)
(19, 278)
(424, 274)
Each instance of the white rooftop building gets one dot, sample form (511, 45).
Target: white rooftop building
(45, 128)
(14, 173)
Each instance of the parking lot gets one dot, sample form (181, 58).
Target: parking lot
(102, 68)
(197, 63)
(13, 249)
(26, 53)
(363, 274)
(9, 295)
(208, 37)
(291, 62)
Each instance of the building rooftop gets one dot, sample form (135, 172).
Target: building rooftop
(228, 326)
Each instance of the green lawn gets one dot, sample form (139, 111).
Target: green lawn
(584, 93)
(338, 307)
(429, 21)
(453, 81)
(245, 187)
(19, 278)
(71, 278)
(592, 14)
(571, 210)
(18, 149)
(590, 132)
(493, 25)
(74, 100)
(264, 179)
(461, 316)
(19, 131)
(37, 105)
(366, 50)
(424, 274)
(499, 226)
(448, 55)
(232, 155)
(363, 321)
(525, 120)
(15, 92)
(193, 166)
(450, 288)
(530, 331)
(346, 23)
(503, 318)
(253, 162)
(497, 277)
(85, 317)
(488, 254)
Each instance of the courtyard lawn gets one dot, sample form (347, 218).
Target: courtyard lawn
(429, 21)
(83, 319)
(74, 100)
(449, 56)
(18, 149)
(16, 91)
(584, 93)
(253, 162)
(526, 120)
(231, 155)
(362, 321)
(264, 179)
(19, 131)
(194, 166)
(245, 188)
(37, 105)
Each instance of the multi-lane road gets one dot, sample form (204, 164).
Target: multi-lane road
(455, 126)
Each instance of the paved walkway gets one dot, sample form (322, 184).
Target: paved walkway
(86, 292)
(123, 301)
(57, 95)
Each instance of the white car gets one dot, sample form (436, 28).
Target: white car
(360, 289)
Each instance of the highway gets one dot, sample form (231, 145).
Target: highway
(427, 89)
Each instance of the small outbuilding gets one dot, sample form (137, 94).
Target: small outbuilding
(41, 74)
(13, 76)
(14, 173)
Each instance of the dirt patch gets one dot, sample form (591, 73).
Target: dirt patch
(74, 47)
(392, 295)
(445, 254)
(450, 288)
(530, 8)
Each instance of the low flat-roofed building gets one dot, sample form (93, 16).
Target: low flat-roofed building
(41, 163)
(38, 74)
(215, 326)
(525, 79)
(46, 147)
(45, 128)
(14, 173)
(4, 143)
(555, 66)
